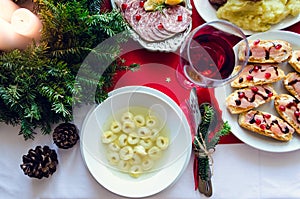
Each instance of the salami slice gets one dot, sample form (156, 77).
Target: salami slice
(156, 25)
(176, 19)
(158, 29)
(143, 28)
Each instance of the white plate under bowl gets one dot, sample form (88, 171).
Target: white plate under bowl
(208, 13)
(250, 138)
(147, 184)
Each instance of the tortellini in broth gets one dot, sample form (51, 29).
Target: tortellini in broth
(135, 141)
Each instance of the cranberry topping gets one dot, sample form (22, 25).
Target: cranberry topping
(267, 75)
(258, 121)
(254, 89)
(262, 126)
(124, 6)
(241, 94)
(160, 26)
(282, 108)
(270, 94)
(268, 116)
(256, 68)
(179, 18)
(278, 46)
(249, 77)
(297, 113)
(256, 42)
(138, 17)
(142, 4)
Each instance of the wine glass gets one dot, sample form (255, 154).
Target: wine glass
(209, 55)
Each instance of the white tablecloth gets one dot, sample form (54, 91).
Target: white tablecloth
(239, 172)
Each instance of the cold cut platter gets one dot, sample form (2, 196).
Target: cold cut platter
(158, 25)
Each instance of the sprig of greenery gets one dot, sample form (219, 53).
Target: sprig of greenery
(208, 125)
(225, 130)
(38, 85)
(159, 6)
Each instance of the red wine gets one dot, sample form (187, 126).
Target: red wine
(212, 56)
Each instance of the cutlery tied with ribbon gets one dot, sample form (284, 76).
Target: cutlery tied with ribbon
(208, 131)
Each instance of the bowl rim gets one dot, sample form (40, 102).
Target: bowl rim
(181, 163)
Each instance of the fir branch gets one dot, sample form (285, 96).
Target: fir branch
(27, 129)
(208, 115)
(203, 168)
(38, 85)
(104, 23)
(225, 130)
(207, 125)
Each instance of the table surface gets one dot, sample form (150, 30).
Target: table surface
(239, 171)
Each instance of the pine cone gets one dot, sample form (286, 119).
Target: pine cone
(39, 162)
(65, 135)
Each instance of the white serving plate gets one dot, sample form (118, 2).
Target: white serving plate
(250, 138)
(208, 13)
(122, 184)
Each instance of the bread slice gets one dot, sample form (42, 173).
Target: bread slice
(266, 51)
(258, 74)
(288, 108)
(266, 124)
(248, 98)
(294, 61)
(292, 83)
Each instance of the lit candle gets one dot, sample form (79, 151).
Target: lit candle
(7, 7)
(26, 23)
(9, 39)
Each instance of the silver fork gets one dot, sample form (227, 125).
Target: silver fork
(194, 109)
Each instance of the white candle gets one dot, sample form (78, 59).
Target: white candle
(26, 23)
(7, 7)
(9, 39)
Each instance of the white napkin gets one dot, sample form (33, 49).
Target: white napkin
(239, 172)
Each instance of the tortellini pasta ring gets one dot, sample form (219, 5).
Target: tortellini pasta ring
(139, 120)
(147, 163)
(113, 147)
(147, 144)
(128, 127)
(116, 127)
(123, 165)
(162, 142)
(113, 158)
(151, 122)
(126, 153)
(136, 170)
(108, 137)
(123, 139)
(154, 152)
(154, 134)
(143, 132)
(139, 149)
(133, 139)
(136, 159)
(127, 116)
